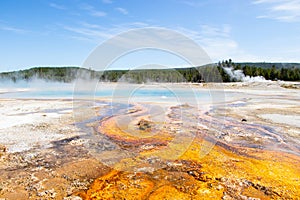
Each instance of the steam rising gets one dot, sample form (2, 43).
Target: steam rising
(238, 75)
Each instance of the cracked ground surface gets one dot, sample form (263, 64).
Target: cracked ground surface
(44, 154)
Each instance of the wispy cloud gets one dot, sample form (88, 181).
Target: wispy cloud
(95, 33)
(92, 11)
(213, 31)
(281, 10)
(122, 10)
(265, 1)
(217, 42)
(98, 13)
(12, 29)
(194, 3)
(107, 1)
(90, 32)
(57, 6)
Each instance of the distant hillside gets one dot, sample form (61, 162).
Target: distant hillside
(69, 74)
(266, 65)
(271, 71)
(60, 74)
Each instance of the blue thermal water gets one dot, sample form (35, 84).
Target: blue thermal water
(69, 93)
(129, 93)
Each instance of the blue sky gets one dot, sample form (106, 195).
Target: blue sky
(64, 32)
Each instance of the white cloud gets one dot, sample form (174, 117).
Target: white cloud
(96, 33)
(122, 10)
(215, 31)
(216, 41)
(90, 32)
(107, 1)
(281, 10)
(12, 29)
(56, 6)
(92, 11)
(194, 3)
(98, 13)
(266, 1)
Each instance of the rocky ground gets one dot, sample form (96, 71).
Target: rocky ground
(246, 148)
(42, 153)
(206, 167)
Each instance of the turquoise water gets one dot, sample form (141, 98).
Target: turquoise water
(121, 92)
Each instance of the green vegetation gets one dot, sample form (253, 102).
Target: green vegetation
(208, 73)
(200, 74)
(69, 74)
(270, 71)
(59, 74)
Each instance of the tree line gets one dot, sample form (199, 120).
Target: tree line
(208, 73)
(270, 71)
(69, 74)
